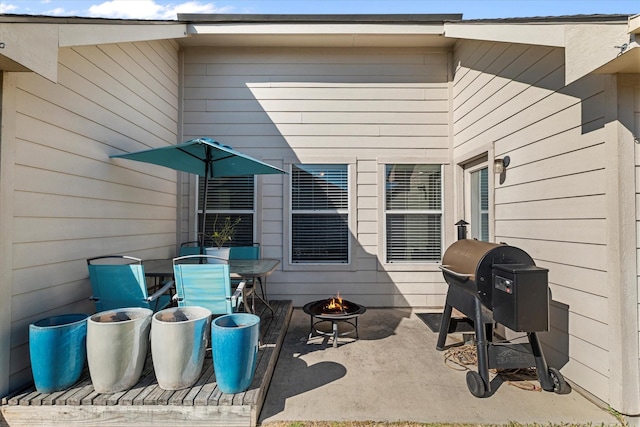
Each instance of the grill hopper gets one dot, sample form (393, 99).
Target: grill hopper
(468, 264)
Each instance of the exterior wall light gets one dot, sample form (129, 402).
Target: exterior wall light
(499, 165)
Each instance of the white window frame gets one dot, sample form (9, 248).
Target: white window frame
(470, 200)
(413, 266)
(351, 265)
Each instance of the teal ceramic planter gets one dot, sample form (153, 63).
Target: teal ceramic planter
(57, 348)
(178, 345)
(234, 345)
(117, 345)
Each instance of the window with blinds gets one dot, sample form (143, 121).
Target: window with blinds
(413, 212)
(319, 214)
(229, 197)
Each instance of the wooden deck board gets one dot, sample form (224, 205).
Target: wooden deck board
(129, 398)
(76, 398)
(206, 377)
(148, 404)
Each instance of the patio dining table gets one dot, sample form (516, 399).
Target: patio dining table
(245, 269)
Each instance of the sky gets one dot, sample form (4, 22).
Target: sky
(471, 9)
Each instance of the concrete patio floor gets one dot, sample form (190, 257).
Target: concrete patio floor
(394, 373)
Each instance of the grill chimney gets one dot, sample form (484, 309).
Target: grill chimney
(462, 229)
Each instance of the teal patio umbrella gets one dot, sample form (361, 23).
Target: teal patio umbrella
(204, 157)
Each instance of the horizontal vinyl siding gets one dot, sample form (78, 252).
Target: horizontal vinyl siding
(552, 202)
(72, 202)
(347, 105)
(636, 133)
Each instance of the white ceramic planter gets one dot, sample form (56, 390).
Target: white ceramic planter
(117, 344)
(178, 345)
(218, 252)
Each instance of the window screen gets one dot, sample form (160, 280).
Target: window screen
(229, 197)
(319, 214)
(413, 212)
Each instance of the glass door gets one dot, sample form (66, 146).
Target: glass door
(477, 200)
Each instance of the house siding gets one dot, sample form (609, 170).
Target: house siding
(634, 87)
(362, 107)
(70, 201)
(511, 99)
(636, 134)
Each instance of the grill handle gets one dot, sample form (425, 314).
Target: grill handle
(460, 276)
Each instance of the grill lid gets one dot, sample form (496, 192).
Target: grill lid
(468, 262)
(464, 256)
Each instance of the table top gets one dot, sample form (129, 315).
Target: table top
(238, 268)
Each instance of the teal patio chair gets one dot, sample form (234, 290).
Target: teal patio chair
(205, 284)
(247, 252)
(190, 248)
(195, 247)
(118, 281)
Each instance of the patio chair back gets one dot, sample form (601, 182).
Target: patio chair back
(245, 252)
(118, 281)
(204, 284)
(190, 248)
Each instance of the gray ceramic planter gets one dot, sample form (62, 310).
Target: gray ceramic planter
(117, 344)
(178, 345)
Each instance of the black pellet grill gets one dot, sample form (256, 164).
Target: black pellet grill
(489, 283)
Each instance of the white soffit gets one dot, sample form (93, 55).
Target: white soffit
(587, 45)
(33, 46)
(601, 49)
(83, 34)
(634, 24)
(534, 34)
(29, 47)
(325, 35)
(629, 60)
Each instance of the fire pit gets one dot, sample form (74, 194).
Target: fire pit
(334, 311)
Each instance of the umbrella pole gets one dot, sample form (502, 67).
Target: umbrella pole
(204, 201)
(204, 213)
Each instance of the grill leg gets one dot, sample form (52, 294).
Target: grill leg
(444, 327)
(542, 369)
(334, 325)
(482, 345)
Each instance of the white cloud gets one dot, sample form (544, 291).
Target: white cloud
(58, 11)
(149, 9)
(7, 8)
(172, 11)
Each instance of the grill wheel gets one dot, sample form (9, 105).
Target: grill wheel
(476, 384)
(560, 386)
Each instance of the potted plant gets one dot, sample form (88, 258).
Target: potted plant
(222, 233)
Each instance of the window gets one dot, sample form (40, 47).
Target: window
(229, 197)
(413, 212)
(319, 214)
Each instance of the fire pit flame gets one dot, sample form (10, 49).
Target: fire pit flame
(335, 304)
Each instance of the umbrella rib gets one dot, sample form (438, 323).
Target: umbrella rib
(207, 159)
(191, 154)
